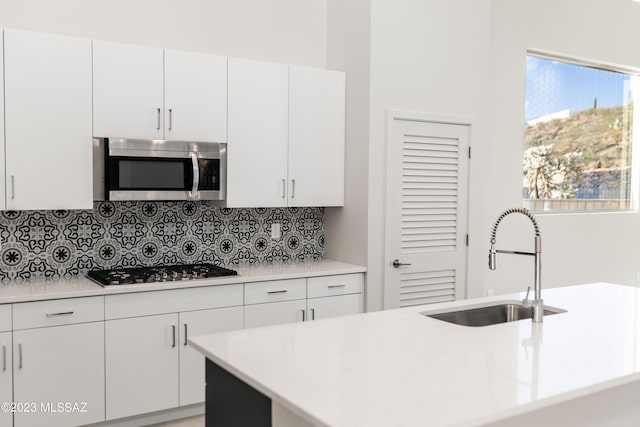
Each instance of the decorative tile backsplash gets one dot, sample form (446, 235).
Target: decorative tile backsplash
(131, 234)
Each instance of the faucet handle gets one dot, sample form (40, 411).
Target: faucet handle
(526, 302)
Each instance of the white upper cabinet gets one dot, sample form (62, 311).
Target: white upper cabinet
(151, 93)
(127, 91)
(316, 137)
(195, 90)
(3, 200)
(286, 136)
(47, 121)
(258, 134)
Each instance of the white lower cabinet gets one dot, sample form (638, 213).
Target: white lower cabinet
(6, 378)
(298, 300)
(149, 364)
(343, 305)
(60, 370)
(141, 365)
(201, 322)
(274, 313)
(87, 360)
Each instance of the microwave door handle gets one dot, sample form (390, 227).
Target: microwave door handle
(196, 176)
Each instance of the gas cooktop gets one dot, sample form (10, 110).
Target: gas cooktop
(167, 273)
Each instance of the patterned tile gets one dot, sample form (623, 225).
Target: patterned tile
(131, 234)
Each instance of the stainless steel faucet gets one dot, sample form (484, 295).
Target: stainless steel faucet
(538, 309)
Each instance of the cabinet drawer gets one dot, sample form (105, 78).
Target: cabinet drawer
(335, 285)
(57, 312)
(172, 301)
(5, 317)
(275, 290)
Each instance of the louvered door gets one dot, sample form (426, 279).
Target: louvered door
(426, 218)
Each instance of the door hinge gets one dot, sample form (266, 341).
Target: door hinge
(467, 240)
(469, 152)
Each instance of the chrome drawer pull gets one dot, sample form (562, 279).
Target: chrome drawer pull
(282, 291)
(62, 313)
(19, 356)
(336, 286)
(173, 328)
(185, 334)
(303, 315)
(4, 357)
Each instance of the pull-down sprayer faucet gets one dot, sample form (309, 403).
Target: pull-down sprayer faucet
(538, 309)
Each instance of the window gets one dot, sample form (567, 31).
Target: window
(578, 137)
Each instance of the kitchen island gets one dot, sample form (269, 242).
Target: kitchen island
(401, 368)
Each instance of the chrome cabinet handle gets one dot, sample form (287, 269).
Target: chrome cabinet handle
(293, 188)
(336, 286)
(19, 356)
(196, 176)
(158, 128)
(284, 190)
(170, 118)
(185, 334)
(173, 328)
(398, 264)
(4, 357)
(313, 314)
(13, 187)
(62, 313)
(281, 291)
(303, 315)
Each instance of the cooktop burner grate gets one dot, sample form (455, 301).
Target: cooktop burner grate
(168, 273)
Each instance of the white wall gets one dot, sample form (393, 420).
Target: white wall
(288, 31)
(576, 248)
(348, 49)
(468, 58)
(427, 56)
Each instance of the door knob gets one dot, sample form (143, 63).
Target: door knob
(396, 263)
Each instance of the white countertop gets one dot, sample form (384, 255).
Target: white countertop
(34, 290)
(399, 368)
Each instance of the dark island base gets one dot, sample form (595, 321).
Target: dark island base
(230, 402)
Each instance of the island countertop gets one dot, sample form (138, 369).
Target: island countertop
(400, 368)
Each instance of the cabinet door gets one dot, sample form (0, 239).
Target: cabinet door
(141, 365)
(257, 134)
(127, 91)
(6, 380)
(274, 313)
(62, 364)
(47, 121)
(195, 91)
(3, 200)
(322, 308)
(316, 137)
(202, 322)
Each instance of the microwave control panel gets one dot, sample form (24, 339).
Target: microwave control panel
(209, 174)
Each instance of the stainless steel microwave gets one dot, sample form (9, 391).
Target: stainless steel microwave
(137, 169)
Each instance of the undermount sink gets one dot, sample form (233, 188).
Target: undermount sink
(502, 312)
